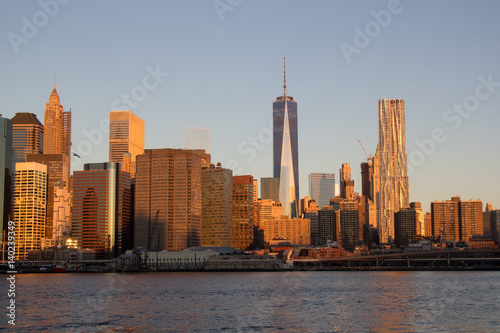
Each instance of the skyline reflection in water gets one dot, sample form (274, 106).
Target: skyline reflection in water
(258, 302)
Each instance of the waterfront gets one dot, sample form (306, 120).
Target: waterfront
(258, 302)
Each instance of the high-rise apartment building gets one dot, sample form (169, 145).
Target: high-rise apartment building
(294, 230)
(327, 225)
(349, 225)
(197, 138)
(243, 212)
(285, 151)
(126, 135)
(27, 136)
(101, 209)
(471, 219)
(445, 219)
(270, 189)
(322, 188)
(30, 192)
(6, 171)
(391, 154)
(168, 199)
(217, 206)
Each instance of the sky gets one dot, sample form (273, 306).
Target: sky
(218, 64)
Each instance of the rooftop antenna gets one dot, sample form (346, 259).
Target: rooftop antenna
(54, 78)
(284, 76)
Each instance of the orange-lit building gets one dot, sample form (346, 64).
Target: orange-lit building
(243, 212)
(126, 135)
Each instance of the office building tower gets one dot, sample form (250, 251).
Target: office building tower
(337, 190)
(270, 189)
(57, 127)
(327, 225)
(285, 150)
(393, 173)
(27, 136)
(61, 215)
(366, 179)
(197, 138)
(30, 191)
(243, 212)
(6, 172)
(494, 222)
(322, 188)
(405, 227)
(126, 136)
(57, 175)
(217, 206)
(445, 219)
(101, 209)
(168, 199)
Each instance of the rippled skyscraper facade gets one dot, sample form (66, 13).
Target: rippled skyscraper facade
(285, 151)
(393, 191)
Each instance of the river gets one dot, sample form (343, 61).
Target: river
(257, 302)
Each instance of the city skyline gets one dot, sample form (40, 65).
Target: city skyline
(338, 98)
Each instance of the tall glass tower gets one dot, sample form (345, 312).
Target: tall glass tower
(392, 168)
(285, 150)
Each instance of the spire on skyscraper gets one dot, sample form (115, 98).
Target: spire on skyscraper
(284, 77)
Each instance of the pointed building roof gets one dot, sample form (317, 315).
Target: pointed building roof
(25, 118)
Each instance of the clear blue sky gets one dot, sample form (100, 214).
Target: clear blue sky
(224, 63)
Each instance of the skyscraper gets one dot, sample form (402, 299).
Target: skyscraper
(217, 206)
(243, 212)
(197, 138)
(346, 183)
(30, 192)
(445, 219)
(27, 136)
(101, 209)
(126, 135)
(57, 127)
(168, 199)
(285, 150)
(322, 187)
(393, 173)
(6, 171)
(405, 226)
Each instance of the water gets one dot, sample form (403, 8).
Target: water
(258, 302)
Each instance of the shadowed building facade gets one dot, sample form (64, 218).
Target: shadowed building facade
(322, 187)
(168, 199)
(6, 171)
(101, 209)
(27, 136)
(285, 151)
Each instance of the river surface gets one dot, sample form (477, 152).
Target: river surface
(256, 302)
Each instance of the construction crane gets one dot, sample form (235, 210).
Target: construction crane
(368, 157)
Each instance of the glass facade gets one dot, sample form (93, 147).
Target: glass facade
(283, 106)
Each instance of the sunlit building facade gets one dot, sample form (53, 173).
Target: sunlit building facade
(30, 191)
(285, 151)
(393, 174)
(217, 206)
(126, 135)
(243, 212)
(168, 199)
